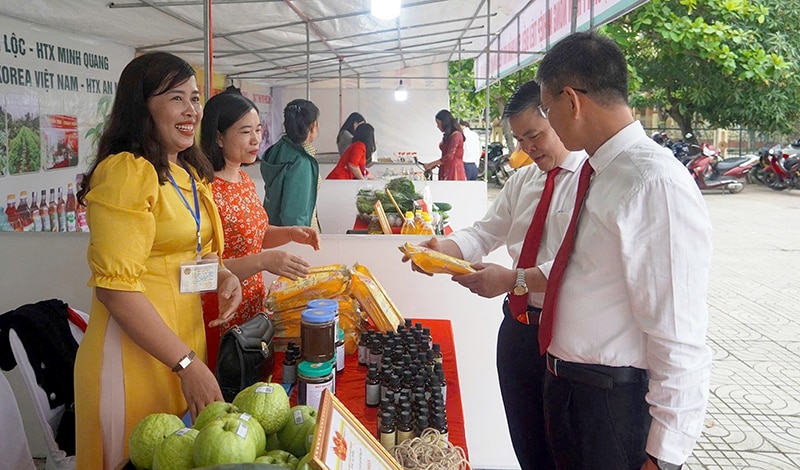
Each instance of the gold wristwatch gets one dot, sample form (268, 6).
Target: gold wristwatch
(184, 362)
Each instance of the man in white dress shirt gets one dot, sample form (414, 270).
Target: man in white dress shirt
(628, 365)
(472, 151)
(520, 367)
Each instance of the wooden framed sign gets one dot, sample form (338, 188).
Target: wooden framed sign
(343, 442)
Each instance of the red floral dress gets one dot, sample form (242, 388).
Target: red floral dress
(452, 167)
(244, 223)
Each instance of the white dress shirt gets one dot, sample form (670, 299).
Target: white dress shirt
(634, 291)
(507, 220)
(472, 146)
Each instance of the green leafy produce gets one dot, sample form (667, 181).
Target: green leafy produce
(402, 186)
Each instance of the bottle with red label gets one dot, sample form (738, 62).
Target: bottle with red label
(11, 213)
(43, 212)
(80, 209)
(52, 211)
(62, 212)
(37, 218)
(25, 216)
(72, 219)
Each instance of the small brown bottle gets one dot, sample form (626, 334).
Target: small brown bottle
(387, 431)
(405, 430)
(373, 387)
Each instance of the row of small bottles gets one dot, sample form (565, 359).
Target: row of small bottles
(418, 223)
(57, 215)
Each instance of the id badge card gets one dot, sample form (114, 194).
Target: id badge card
(199, 276)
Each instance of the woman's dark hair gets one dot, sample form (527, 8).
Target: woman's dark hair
(449, 123)
(130, 127)
(366, 133)
(221, 112)
(298, 117)
(350, 125)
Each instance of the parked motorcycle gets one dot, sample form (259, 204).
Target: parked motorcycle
(783, 171)
(499, 167)
(705, 170)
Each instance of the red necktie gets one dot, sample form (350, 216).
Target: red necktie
(560, 263)
(530, 247)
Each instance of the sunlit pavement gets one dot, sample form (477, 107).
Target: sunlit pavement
(753, 418)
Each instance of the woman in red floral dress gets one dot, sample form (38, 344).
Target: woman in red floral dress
(230, 136)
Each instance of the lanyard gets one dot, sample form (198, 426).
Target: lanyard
(196, 212)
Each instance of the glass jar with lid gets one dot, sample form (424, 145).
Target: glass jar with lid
(317, 335)
(313, 378)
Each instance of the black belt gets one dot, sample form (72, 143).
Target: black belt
(605, 377)
(532, 314)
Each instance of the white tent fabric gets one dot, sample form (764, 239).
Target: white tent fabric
(267, 40)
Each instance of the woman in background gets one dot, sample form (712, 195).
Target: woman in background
(451, 163)
(152, 218)
(229, 136)
(345, 136)
(290, 171)
(353, 164)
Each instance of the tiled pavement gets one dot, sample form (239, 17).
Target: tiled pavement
(753, 416)
(753, 419)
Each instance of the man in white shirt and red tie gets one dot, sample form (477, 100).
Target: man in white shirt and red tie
(532, 244)
(624, 328)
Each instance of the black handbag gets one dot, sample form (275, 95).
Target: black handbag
(246, 355)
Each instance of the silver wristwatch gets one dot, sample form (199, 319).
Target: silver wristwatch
(520, 287)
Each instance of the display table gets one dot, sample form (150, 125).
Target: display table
(360, 226)
(350, 384)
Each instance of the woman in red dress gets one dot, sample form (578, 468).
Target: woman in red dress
(230, 136)
(451, 163)
(352, 164)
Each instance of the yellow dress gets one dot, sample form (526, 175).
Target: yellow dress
(141, 232)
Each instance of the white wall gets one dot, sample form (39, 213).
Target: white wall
(399, 126)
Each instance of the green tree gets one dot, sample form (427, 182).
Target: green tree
(467, 103)
(722, 62)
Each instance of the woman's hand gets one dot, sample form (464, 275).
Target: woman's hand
(229, 290)
(305, 235)
(199, 387)
(284, 264)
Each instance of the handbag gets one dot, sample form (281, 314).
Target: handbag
(246, 355)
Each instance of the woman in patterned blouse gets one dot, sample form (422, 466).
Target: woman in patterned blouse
(230, 136)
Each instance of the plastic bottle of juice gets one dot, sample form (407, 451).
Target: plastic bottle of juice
(427, 226)
(418, 221)
(408, 224)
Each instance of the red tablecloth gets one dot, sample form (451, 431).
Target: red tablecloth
(350, 384)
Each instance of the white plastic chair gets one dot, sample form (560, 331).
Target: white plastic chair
(48, 419)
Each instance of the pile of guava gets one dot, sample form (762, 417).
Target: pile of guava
(259, 426)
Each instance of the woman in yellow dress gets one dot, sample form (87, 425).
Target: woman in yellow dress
(152, 217)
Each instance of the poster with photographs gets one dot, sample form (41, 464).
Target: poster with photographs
(59, 141)
(3, 137)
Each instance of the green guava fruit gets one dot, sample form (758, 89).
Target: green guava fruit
(215, 410)
(256, 431)
(267, 402)
(224, 441)
(176, 451)
(273, 442)
(146, 435)
(294, 435)
(280, 458)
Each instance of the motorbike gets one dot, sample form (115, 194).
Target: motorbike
(784, 168)
(705, 170)
(499, 166)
